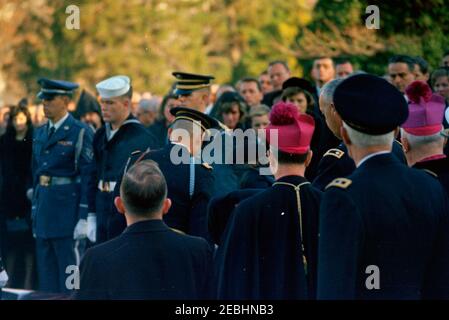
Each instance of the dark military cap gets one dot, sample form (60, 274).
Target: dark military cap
(51, 88)
(370, 104)
(299, 83)
(188, 82)
(182, 113)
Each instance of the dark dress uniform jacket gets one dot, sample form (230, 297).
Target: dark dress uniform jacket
(389, 216)
(147, 261)
(57, 208)
(439, 168)
(337, 163)
(188, 212)
(262, 256)
(110, 158)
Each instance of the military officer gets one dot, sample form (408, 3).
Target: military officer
(336, 162)
(189, 180)
(193, 91)
(384, 228)
(421, 133)
(62, 168)
(269, 248)
(113, 143)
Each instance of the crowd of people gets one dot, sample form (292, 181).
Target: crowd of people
(359, 178)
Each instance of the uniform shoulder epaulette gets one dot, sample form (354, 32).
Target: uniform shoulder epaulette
(342, 183)
(178, 231)
(337, 153)
(135, 152)
(433, 174)
(207, 166)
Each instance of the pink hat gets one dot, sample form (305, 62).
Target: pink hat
(295, 130)
(426, 110)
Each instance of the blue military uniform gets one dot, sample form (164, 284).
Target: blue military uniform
(189, 182)
(189, 188)
(111, 154)
(390, 216)
(62, 167)
(226, 173)
(384, 228)
(336, 163)
(111, 151)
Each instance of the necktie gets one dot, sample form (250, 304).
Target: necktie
(51, 131)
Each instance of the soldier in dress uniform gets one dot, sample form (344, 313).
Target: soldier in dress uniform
(421, 133)
(193, 91)
(113, 143)
(189, 180)
(269, 249)
(336, 162)
(384, 228)
(62, 169)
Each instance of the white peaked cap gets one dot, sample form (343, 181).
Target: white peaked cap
(114, 87)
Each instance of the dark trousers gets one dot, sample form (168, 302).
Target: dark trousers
(104, 202)
(53, 258)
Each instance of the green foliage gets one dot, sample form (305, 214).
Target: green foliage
(148, 39)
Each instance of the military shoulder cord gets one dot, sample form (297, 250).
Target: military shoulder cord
(298, 202)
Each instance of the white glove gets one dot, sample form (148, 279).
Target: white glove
(3, 279)
(30, 192)
(80, 230)
(92, 227)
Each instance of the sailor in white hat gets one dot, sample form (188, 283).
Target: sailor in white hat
(121, 135)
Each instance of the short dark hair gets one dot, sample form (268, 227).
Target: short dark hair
(164, 102)
(342, 60)
(143, 189)
(249, 79)
(423, 64)
(291, 158)
(293, 91)
(324, 57)
(446, 53)
(401, 58)
(272, 63)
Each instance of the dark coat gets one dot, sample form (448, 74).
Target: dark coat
(337, 163)
(147, 261)
(220, 210)
(159, 130)
(388, 216)
(438, 167)
(15, 162)
(262, 248)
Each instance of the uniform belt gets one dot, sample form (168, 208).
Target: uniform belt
(106, 186)
(47, 181)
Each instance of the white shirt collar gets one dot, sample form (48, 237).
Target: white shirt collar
(58, 124)
(371, 156)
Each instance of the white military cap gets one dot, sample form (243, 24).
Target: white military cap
(114, 87)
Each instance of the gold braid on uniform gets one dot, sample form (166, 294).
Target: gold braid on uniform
(298, 203)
